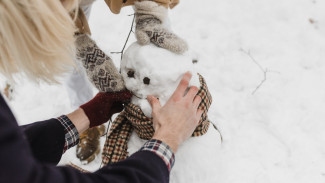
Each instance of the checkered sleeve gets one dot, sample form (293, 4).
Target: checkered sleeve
(71, 133)
(162, 150)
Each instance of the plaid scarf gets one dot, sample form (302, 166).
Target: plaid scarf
(132, 118)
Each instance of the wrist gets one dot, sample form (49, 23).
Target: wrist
(79, 119)
(173, 143)
(162, 149)
(71, 133)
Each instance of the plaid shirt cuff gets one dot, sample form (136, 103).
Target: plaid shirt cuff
(71, 133)
(162, 150)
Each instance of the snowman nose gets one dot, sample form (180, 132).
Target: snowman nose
(146, 80)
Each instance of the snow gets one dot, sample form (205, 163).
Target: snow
(163, 68)
(194, 160)
(274, 135)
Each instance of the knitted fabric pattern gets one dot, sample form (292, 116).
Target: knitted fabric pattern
(132, 118)
(151, 27)
(100, 68)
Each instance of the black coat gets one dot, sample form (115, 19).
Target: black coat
(29, 155)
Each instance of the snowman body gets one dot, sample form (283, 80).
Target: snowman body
(149, 70)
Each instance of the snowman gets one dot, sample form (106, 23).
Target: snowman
(154, 65)
(150, 70)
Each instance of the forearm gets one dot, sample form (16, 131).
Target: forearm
(79, 120)
(46, 140)
(51, 138)
(158, 144)
(151, 164)
(16, 159)
(144, 166)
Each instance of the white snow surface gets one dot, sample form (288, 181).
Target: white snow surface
(275, 135)
(195, 158)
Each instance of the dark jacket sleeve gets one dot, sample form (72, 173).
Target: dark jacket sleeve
(19, 166)
(46, 140)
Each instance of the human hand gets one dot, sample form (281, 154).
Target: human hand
(177, 119)
(151, 27)
(100, 68)
(101, 108)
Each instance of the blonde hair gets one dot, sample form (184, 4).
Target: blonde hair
(36, 38)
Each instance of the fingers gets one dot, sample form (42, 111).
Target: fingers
(121, 96)
(116, 107)
(199, 114)
(162, 38)
(173, 44)
(154, 102)
(182, 86)
(124, 95)
(155, 105)
(142, 37)
(196, 102)
(192, 93)
(156, 126)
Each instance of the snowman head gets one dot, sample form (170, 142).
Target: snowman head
(150, 70)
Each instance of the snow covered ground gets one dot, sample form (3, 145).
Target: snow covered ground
(273, 133)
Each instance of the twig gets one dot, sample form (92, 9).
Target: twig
(265, 71)
(215, 127)
(127, 39)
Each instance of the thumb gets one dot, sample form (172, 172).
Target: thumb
(117, 107)
(154, 102)
(142, 37)
(174, 44)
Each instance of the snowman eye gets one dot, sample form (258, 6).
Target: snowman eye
(130, 74)
(146, 80)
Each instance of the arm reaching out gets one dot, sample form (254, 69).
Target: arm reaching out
(176, 120)
(100, 68)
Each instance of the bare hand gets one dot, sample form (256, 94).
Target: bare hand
(177, 119)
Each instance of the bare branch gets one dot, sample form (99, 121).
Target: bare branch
(127, 39)
(261, 83)
(265, 71)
